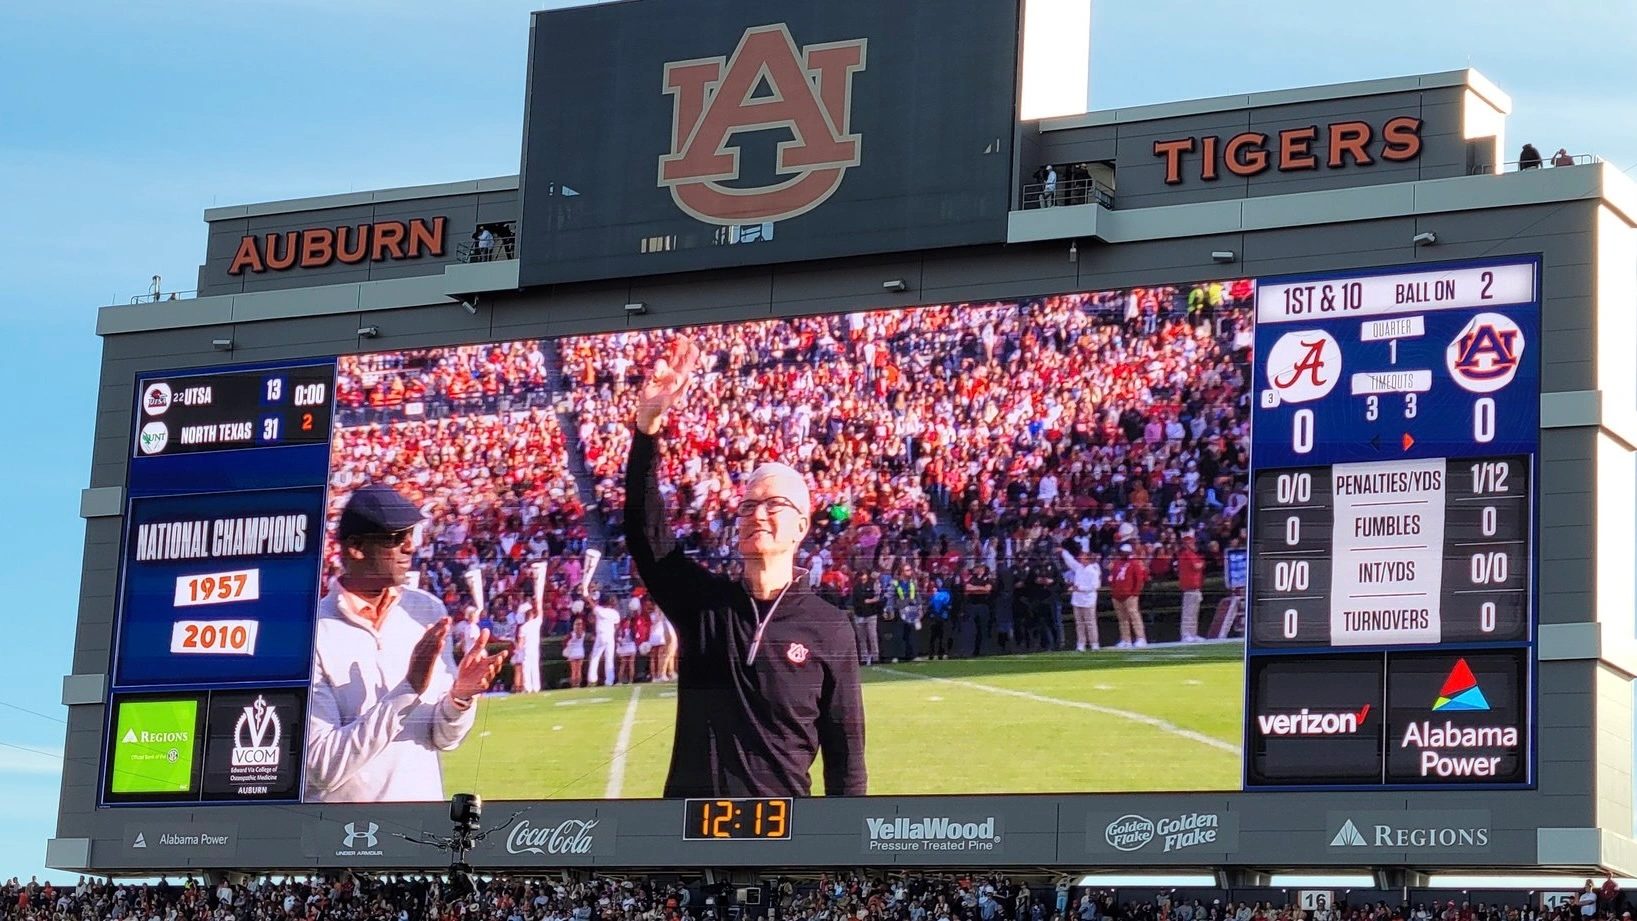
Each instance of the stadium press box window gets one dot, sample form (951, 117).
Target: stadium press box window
(1114, 422)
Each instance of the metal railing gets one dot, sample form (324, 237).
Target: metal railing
(504, 248)
(1067, 192)
(1545, 162)
(151, 296)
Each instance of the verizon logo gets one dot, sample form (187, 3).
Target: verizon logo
(1307, 722)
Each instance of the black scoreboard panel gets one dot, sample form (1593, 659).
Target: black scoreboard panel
(1318, 721)
(1438, 552)
(1405, 718)
(231, 410)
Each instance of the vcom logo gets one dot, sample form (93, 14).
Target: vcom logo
(1460, 691)
(768, 82)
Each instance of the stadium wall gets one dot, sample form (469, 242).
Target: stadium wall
(1578, 815)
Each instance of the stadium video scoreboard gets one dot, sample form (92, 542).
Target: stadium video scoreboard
(1390, 615)
(1387, 588)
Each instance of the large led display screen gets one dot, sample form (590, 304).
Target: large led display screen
(1022, 543)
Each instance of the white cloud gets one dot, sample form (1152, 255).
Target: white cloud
(14, 761)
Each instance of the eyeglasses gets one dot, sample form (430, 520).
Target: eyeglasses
(774, 504)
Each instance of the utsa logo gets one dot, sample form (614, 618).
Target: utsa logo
(1485, 354)
(768, 82)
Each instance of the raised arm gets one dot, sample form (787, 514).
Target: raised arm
(673, 579)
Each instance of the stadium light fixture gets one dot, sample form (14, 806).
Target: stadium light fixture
(222, 345)
(1074, 250)
(1424, 238)
(369, 332)
(1223, 255)
(636, 308)
(895, 285)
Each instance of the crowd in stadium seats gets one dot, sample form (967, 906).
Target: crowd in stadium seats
(431, 383)
(497, 497)
(949, 435)
(935, 439)
(922, 896)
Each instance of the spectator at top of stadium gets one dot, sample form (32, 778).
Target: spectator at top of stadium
(1529, 158)
(1562, 158)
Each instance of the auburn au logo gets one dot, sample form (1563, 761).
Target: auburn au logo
(768, 82)
(1485, 354)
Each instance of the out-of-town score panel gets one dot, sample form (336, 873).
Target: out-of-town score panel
(1395, 426)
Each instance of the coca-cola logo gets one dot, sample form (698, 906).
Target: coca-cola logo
(572, 836)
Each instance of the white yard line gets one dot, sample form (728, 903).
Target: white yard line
(1143, 718)
(622, 744)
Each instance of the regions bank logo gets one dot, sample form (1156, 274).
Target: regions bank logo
(1485, 354)
(1460, 691)
(767, 83)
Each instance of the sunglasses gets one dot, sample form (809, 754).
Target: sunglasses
(405, 539)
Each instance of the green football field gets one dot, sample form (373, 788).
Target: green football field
(1156, 719)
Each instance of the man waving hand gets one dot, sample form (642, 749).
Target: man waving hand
(768, 670)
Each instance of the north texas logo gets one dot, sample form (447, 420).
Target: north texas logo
(768, 82)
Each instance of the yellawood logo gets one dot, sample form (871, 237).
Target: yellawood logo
(768, 82)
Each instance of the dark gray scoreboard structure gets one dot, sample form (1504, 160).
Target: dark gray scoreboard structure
(1435, 602)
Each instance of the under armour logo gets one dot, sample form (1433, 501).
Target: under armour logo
(368, 835)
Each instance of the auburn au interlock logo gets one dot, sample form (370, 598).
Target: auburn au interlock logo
(768, 82)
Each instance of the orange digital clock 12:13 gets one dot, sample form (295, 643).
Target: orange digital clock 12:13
(757, 818)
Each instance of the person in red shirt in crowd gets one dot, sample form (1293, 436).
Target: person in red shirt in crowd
(1191, 582)
(1128, 576)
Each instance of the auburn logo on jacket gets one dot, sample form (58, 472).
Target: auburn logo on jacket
(767, 82)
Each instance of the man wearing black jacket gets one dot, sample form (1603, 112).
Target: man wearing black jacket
(768, 670)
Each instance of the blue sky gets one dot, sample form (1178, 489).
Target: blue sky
(122, 121)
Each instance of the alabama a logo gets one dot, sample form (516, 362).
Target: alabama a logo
(768, 82)
(1303, 366)
(1485, 354)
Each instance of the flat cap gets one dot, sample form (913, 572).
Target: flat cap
(377, 509)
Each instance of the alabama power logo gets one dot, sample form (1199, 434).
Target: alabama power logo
(768, 82)
(1484, 356)
(1460, 690)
